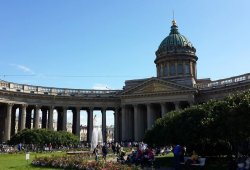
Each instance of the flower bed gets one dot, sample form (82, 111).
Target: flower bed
(80, 162)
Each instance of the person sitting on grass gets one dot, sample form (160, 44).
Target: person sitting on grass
(138, 156)
(193, 160)
(120, 156)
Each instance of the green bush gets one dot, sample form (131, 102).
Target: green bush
(42, 136)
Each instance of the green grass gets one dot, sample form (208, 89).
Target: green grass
(18, 161)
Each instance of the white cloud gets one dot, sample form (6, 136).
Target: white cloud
(22, 68)
(100, 86)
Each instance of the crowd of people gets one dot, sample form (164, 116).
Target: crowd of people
(138, 153)
(143, 155)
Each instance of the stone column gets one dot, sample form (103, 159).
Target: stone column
(176, 104)
(163, 109)
(124, 123)
(28, 118)
(78, 109)
(116, 124)
(23, 117)
(44, 118)
(13, 121)
(37, 117)
(59, 119)
(64, 121)
(136, 123)
(8, 122)
(19, 118)
(90, 129)
(104, 135)
(149, 117)
(191, 103)
(51, 113)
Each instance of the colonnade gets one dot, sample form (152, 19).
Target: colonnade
(30, 115)
(131, 121)
(138, 118)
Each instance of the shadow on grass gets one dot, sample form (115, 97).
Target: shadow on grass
(212, 163)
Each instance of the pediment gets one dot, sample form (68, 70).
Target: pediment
(155, 86)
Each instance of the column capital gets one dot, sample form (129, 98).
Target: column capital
(38, 106)
(64, 107)
(148, 105)
(24, 106)
(117, 109)
(104, 109)
(10, 104)
(176, 102)
(78, 109)
(191, 102)
(135, 106)
(91, 109)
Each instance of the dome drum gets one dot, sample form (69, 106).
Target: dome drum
(175, 57)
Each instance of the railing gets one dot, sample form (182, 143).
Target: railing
(224, 82)
(15, 87)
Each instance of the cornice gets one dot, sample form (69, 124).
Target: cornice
(159, 94)
(11, 94)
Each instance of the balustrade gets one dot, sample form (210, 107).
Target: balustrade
(223, 82)
(53, 91)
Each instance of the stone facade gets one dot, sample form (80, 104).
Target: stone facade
(135, 107)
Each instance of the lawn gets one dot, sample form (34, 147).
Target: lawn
(18, 161)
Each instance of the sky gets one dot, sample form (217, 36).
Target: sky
(98, 44)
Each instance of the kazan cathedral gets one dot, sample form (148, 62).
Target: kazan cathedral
(135, 107)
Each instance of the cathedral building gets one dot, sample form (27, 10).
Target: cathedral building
(136, 106)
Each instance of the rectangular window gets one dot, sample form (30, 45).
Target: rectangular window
(172, 69)
(187, 68)
(162, 70)
(166, 70)
(180, 71)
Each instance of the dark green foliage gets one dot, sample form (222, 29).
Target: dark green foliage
(213, 128)
(43, 136)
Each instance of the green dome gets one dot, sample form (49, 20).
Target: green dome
(174, 40)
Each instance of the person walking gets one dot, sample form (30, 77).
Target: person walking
(96, 152)
(104, 152)
(177, 155)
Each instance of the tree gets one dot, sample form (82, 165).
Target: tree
(216, 127)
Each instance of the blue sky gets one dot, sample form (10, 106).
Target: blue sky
(100, 44)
